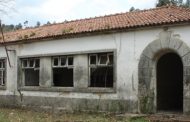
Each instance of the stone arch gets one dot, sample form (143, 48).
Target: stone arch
(167, 42)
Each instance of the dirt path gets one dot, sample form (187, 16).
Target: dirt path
(169, 118)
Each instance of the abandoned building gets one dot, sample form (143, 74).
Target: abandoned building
(137, 62)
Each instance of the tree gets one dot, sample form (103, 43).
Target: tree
(162, 3)
(7, 28)
(133, 9)
(19, 26)
(187, 4)
(26, 23)
(48, 23)
(180, 2)
(38, 24)
(173, 2)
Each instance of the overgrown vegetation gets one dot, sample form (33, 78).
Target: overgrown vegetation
(23, 115)
(159, 3)
(66, 30)
(32, 34)
(181, 3)
(138, 119)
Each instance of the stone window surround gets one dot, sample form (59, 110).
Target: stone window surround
(167, 42)
(4, 87)
(77, 88)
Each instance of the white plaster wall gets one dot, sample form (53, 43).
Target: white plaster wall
(128, 45)
(2, 52)
(64, 46)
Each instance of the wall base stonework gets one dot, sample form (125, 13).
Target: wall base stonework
(69, 104)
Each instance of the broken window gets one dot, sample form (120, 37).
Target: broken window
(63, 71)
(2, 72)
(30, 67)
(101, 70)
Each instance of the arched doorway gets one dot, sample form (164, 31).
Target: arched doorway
(169, 72)
(170, 57)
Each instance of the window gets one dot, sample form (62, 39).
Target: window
(30, 67)
(2, 72)
(63, 71)
(101, 70)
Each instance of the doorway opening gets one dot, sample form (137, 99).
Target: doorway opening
(170, 83)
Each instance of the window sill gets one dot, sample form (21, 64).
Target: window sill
(2, 87)
(97, 90)
(69, 89)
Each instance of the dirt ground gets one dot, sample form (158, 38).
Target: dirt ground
(26, 115)
(23, 115)
(168, 117)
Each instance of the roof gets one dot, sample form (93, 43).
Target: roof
(152, 17)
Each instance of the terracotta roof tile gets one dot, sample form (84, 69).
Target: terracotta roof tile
(144, 18)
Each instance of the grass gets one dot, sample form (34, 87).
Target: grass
(23, 115)
(137, 119)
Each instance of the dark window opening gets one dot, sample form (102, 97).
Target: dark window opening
(101, 70)
(31, 63)
(30, 68)
(70, 61)
(56, 61)
(110, 62)
(93, 60)
(170, 83)
(63, 61)
(63, 71)
(37, 63)
(2, 72)
(103, 59)
(31, 77)
(63, 77)
(101, 77)
(24, 63)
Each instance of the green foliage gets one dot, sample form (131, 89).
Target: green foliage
(162, 3)
(180, 2)
(3, 118)
(11, 27)
(26, 23)
(38, 24)
(66, 30)
(138, 119)
(26, 115)
(25, 36)
(173, 2)
(32, 34)
(7, 28)
(19, 26)
(187, 4)
(48, 23)
(133, 9)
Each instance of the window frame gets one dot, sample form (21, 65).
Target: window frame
(89, 61)
(62, 66)
(86, 89)
(98, 54)
(3, 87)
(23, 68)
